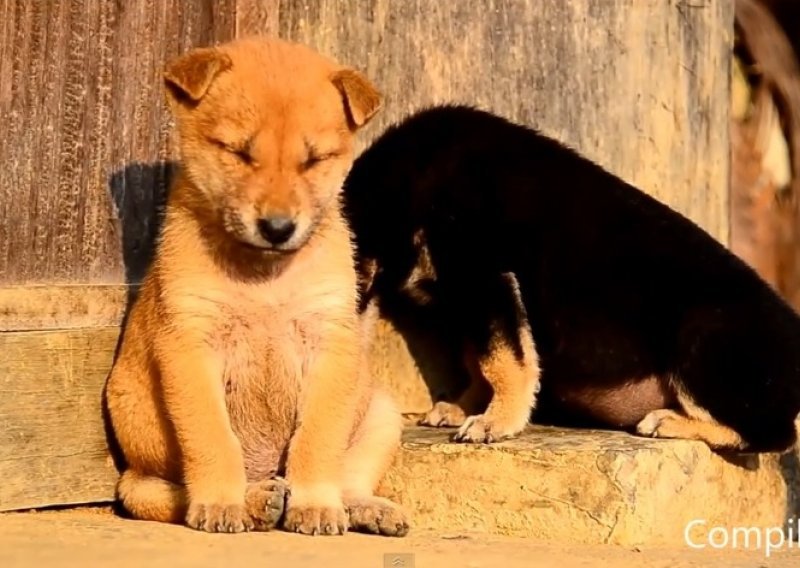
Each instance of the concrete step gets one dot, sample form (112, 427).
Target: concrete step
(584, 486)
(590, 487)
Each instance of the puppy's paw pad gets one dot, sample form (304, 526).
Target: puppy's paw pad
(481, 429)
(316, 520)
(660, 423)
(215, 518)
(266, 502)
(444, 414)
(375, 515)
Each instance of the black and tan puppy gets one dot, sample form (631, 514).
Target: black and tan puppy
(566, 281)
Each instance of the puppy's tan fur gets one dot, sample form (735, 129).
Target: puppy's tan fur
(243, 359)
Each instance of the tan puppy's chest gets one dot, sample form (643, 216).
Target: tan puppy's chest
(267, 339)
(263, 371)
(265, 349)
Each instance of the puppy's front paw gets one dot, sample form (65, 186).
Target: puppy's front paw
(316, 520)
(266, 502)
(482, 429)
(444, 414)
(216, 518)
(376, 515)
(662, 423)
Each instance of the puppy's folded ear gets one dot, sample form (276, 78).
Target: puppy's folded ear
(189, 76)
(361, 99)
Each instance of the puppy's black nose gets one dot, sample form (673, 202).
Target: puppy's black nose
(276, 230)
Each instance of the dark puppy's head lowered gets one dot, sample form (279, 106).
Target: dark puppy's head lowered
(399, 184)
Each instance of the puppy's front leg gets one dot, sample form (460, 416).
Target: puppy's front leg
(212, 462)
(316, 453)
(507, 360)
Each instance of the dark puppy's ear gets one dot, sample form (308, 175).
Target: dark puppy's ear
(361, 99)
(189, 76)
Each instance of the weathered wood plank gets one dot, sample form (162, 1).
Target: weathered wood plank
(86, 133)
(84, 155)
(53, 447)
(641, 86)
(30, 308)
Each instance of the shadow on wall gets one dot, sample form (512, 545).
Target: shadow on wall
(432, 342)
(139, 192)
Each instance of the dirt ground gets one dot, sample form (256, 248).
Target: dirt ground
(86, 538)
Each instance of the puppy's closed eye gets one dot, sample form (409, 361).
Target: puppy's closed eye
(315, 159)
(316, 156)
(241, 150)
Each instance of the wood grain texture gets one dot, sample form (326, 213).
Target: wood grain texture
(53, 447)
(86, 134)
(641, 86)
(84, 160)
(257, 17)
(633, 84)
(31, 308)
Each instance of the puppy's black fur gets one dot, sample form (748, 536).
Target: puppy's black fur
(617, 286)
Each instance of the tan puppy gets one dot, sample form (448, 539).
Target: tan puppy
(242, 358)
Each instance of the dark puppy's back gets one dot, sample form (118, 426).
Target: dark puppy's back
(617, 285)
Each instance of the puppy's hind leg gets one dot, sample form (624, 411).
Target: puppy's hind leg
(722, 402)
(370, 453)
(666, 423)
(151, 498)
(266, 503)
(692, 423)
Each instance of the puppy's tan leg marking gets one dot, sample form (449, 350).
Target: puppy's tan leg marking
(369, 456)
(514, 381)
(695, 424)
(155, 499)
(473, 400)
(665, 423)
(515, 385)
(213, 465)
